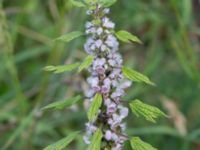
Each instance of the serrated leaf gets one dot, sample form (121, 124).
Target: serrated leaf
(96, 141)
(138, 144)
(63, 104)
(77, 3)
(69, 36)
(86, 63)
(107, 3)
(136, 76)
(94, 107)
(149, 112)
(127, 37)
(61, 144)
(62, 68)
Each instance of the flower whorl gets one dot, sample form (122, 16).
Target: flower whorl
(106, 78)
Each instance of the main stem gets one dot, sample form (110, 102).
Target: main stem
(107, 79)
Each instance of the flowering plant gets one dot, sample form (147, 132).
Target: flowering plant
(108, 80)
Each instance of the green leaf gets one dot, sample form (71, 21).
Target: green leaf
(90, 1)
(50, 68)
(107, 3)
(138, 144)
(86, 63)
(136, 76)
(127, 37)
(63, 104)
(70, 36)
(96, 141)
(61, 144)
(94, 107)
(63, 68)
(149, 112)
(77, 3)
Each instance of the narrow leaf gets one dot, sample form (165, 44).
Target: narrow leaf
(96, 141)
(86, 63)
(136, 76)
(138, 144)
(61, 144)
(50, 68)
(63, 104)
(127, 37)
(62, 68)
(94, 107)
(77, 3)
(70, 36)
(149, 112)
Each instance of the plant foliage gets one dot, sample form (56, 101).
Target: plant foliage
(150, 113)
(61, 144)
(138, 144)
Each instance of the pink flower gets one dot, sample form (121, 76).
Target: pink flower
(108, 135)
(105, 89)
(107, 23)
(100, 70)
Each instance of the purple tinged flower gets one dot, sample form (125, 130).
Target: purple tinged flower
(125, 84)
(110, 121)
(106, 10)
(116, 121)
(89, 93)
(90, 128)
(111, 108)
(107, 102)
(117, 57)
(104, 48)
(86, 139)
(107, 82)
(98, 43)
(99, 31)
(115, 73)
(107, 23)
(92, 47)
(122, 139)
(115, 83)
(114, 55)
(100, 70)
(108, 135)
(87, 45)
(123, 111)
(105, 89)
(93, 81)
(116, 118)
(90, 30)
(89, 24)
(98, 65)
(117, 147)
(117, 93)
(112, 62)
(96, 88)
(114, 137)
(99, 62)
(111, 41)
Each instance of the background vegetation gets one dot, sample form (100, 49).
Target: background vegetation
(170, 55)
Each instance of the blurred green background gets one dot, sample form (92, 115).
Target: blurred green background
(170, 56)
